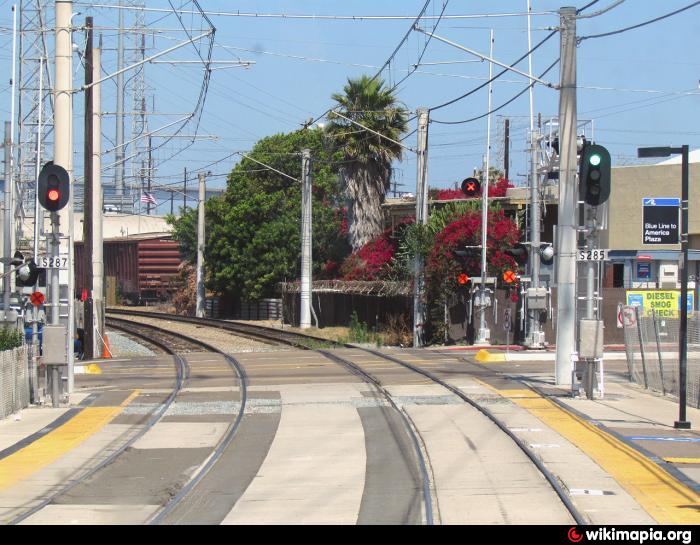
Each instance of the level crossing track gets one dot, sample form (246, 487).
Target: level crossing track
(181, 339)
(307, 342)
(174, 344)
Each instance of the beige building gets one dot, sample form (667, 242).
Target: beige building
(636, 263)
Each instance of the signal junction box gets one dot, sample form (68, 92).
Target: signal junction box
(590, 339)
(537, 298)
(54, 345)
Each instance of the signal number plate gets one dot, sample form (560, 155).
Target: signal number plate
(593, 255)
(46, 262)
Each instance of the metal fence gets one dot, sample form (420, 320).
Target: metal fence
(14, 381)
(651, 343)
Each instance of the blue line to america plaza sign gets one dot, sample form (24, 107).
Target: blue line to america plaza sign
(661, 220)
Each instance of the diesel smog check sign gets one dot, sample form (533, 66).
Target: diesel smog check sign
(661, 220)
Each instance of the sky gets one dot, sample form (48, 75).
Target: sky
(638, 88)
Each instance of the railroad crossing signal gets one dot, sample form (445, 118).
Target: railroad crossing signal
(54, 187)
(463, 279)
(471, 187)
(510, 277)
(27, 274)
(37, 298)
(520, 253)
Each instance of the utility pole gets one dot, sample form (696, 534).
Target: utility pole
(88, 191)
(200, 245)
(8, 217)
(484, 334)
(97, 196)
(568, 201)
(421, 219)
(306, 234)
(535, 337)
(150, 171)
(184, 205)
(506, 151)
(63, 156)
(120, 151)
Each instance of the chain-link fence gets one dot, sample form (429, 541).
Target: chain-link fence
(651, 342)
(14, 381)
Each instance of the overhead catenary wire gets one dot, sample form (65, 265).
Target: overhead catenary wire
(633, 27)
(521, 93)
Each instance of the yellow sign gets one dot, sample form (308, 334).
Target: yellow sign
(666, 304)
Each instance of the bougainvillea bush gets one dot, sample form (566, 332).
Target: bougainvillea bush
(375, 260)
(443, 262)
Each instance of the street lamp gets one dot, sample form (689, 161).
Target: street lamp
(681, 423)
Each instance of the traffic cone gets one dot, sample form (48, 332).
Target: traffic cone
(106, 350)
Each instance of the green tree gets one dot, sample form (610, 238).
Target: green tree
(253, 229)
(367, 155)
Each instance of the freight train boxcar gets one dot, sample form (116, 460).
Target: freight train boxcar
(144, 266)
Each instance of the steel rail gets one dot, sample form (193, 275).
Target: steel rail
(224, 442)
(182, 370)
(412, 431)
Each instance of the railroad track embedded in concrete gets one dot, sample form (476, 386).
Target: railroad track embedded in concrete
(307, 342)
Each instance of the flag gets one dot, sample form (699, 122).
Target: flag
(148, 198)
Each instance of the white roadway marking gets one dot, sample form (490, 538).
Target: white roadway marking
(314, 472)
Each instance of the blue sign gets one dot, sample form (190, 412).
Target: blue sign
(644, 270)
(653, 201)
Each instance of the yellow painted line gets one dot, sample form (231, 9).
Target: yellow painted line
(663, 497)
(55, 444)
(682, 460)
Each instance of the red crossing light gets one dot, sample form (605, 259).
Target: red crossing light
(463, 279)
(509, 277)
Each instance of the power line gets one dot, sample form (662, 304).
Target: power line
(499, 107)
(620, 31)
(308, 17)
(494, 78)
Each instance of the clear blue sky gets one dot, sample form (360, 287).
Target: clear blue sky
(650, 75)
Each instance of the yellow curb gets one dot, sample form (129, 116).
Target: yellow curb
(484, 356)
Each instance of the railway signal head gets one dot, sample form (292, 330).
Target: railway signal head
(27, 274)
(547, 254)
(54, 187)
(463, 279)
(594, 175)
(520, 253)
(471, 187)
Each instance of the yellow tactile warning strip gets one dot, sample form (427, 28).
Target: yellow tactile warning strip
(93, 369)
(53, 445)
(662, 496)
(682, 460)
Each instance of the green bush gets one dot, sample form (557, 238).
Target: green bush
(10, 338)
(360, 334)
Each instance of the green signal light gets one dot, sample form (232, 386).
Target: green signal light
(595, 160)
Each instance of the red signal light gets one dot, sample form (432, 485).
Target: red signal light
(54, 195)
(463, 279)
(509, 277)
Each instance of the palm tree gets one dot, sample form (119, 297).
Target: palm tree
(368, 156)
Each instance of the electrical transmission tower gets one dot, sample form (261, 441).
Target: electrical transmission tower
(35, 104)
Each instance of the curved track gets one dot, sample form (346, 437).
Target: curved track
(307, 342)
(132, 328)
